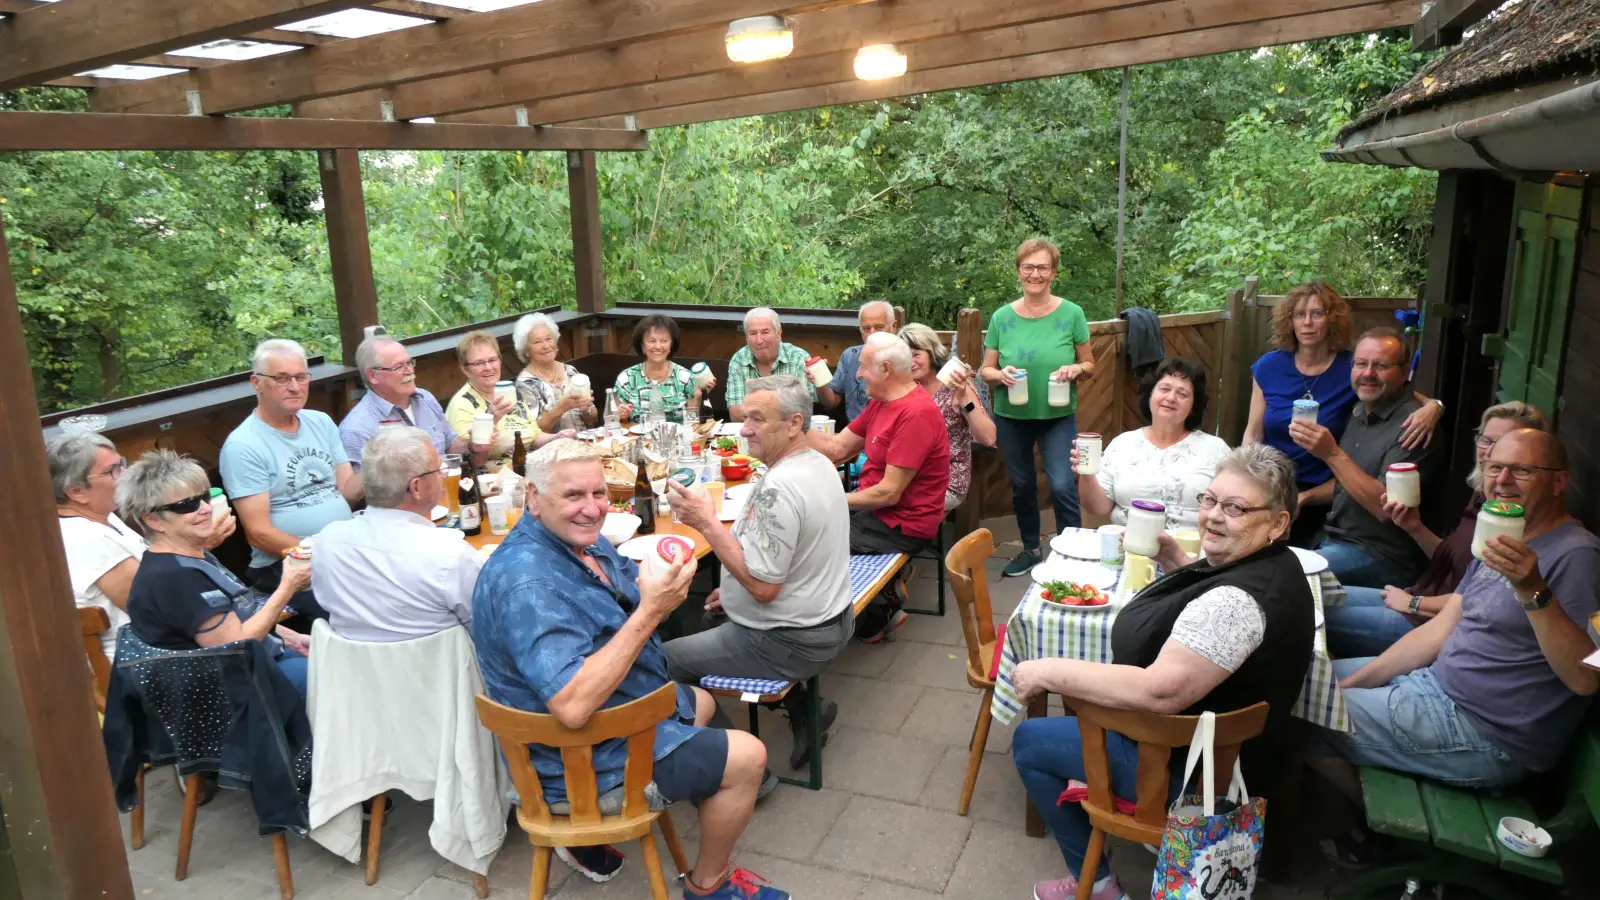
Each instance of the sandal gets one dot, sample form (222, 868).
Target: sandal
(1357, 849)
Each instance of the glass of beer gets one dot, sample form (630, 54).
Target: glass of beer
(451, 463)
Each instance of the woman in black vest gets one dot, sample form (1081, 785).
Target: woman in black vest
(1220, 634)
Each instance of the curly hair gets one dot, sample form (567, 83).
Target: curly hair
(650, 323)
(1183, 368)
(1339, 318)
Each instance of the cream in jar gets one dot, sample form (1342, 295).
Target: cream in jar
(1403, 484)
(1146, 519)
(1496, 518)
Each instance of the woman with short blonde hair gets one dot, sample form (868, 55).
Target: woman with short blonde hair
(478, 355)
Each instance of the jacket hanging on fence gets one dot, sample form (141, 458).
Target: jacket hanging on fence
(1143, 346)
(223, 709)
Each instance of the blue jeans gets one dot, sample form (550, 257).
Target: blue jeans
(1353, 565)
(1048, 753)
(1362, 625)
(1054, 437)
(1410, 725)
(296, 668)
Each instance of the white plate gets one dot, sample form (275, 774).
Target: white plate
(1310, 563)
(730, 511)
(637, 429)
(1076, 572)
(439, 513)
(1078, 543)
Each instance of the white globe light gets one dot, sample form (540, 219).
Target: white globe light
(759, 38)
(875, 62)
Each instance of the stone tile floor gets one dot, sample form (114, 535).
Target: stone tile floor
(883, 828)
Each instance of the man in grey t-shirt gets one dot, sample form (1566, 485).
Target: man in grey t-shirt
(1493, 688)
(785, 563)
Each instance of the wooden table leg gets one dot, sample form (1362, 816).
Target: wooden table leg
(1033, 823)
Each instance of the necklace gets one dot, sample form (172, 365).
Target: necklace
(1310, 382)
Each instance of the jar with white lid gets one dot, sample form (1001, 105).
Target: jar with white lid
(1146, 519)
(506, 390)
(1403, 484)
(1496, 518)
(1060, 392)
(1017, 393)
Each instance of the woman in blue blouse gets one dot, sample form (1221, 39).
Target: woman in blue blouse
(1311, 331)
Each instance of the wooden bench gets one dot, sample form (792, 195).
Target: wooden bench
(868, 576)
(1455, 828)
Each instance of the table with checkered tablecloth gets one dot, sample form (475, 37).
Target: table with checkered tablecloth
(1042, 630)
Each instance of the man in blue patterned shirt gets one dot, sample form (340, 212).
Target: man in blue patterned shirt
(566, 626)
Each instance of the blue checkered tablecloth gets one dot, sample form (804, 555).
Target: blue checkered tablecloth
(761, 686)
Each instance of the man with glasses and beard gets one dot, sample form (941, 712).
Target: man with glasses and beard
(392, 393)
(1493, 688)
(284, 468)
(1362, 545)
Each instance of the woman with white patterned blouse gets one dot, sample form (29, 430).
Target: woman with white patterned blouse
(1169, 460)
(964, 416)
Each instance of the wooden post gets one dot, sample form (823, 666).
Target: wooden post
(1230, 420)
(583, 193)
(900, 318)
(61, 822)
(355, 295)
(969, 336)
(968, 517)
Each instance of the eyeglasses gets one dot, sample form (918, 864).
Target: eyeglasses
(1232, 510)
(427, 473)
(1483, 441)
(1493, 470)
(1309, 315)
(479, 364)
(117, 468)
(1382, 368)
(409, 365)
(302, 378)
(185, 506)
(1036, 270)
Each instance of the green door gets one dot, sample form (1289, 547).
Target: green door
(1544, 258)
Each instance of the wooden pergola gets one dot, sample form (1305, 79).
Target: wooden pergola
(575, 75)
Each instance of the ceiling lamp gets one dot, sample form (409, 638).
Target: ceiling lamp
(759, 38)
(875, 62)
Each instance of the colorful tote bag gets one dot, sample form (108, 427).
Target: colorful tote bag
(1210, 851)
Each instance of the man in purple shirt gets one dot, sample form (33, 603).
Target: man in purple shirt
(1493, 688)
(392, 393)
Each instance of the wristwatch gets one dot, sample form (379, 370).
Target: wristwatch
(969, 407)
(1540, 599)
(1416, 605)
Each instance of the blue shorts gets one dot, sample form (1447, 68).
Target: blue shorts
(693, 770)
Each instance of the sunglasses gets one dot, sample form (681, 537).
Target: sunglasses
(185, 506)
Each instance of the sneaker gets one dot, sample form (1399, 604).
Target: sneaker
(1067, 888)
(894, 620)
(800, 750)
(1021, 564)
(769, 783)
(739, 884)
(598, 864)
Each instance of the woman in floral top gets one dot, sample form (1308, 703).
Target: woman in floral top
(1169, 460)
(545, 385)
(655, 339)
(964, 415)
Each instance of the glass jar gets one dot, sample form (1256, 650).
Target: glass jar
(1403, 483)
(1017, 393)
(1088, 444)
(219, 505)
(507, 390)
(1060, 393)
(1306, 411)
(1146, 519)
(701, 374)
(817, 369)
(1496, 518)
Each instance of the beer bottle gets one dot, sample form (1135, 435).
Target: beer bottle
(644, 497)
(471, 497)
(519, 456)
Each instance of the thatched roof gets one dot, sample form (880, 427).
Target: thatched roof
(1530, 42)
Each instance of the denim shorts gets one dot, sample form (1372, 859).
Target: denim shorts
(693, 770)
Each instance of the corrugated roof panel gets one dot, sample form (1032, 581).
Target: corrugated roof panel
(355, 23)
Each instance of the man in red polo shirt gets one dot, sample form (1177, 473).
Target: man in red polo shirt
(899, 503)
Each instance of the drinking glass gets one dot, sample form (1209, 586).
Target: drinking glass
(451, 464)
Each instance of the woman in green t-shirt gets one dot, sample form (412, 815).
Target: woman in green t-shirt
(1037, 339)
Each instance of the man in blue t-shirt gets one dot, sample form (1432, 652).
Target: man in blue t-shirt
(284, 467)
(1493, 688)
(875, 316)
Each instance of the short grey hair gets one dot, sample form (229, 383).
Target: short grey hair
(763, 312)
(888, 309)
(893, 350)
(389, 461)
(154, 480)
(920, 337)
(792, 396)
(525, 327)
(543, 461)
(71, 457)
(367, 353)
(272, 347)
(1270, 470)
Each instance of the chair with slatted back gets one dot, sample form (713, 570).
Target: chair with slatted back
(586, 826)
(1156, 736)
(969, 581)
(92, 624)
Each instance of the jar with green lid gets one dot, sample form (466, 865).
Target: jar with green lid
(1496, 518)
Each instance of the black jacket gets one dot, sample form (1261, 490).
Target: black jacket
(222, 709)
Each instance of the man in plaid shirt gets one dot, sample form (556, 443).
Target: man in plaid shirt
(763, 354)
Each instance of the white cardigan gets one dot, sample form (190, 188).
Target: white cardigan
(400, 716)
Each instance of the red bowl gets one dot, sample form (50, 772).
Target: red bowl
(734, 471)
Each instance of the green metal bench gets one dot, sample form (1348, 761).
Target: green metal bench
(1454, 829)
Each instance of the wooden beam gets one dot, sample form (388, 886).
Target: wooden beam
(419, 8)
(825, 32)
(478, 41)
(583, 197)
(65, 38)
(1443, 21)
(355, 295)
(106, 131)
(1388, 14)
(61, 821)
(266, 35)
(1088, 29)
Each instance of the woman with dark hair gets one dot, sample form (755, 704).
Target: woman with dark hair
(1170, 459)
(655, 340)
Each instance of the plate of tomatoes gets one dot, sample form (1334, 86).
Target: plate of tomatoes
(1066, 593)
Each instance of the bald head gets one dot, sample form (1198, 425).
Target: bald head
(1530, 447)
(1528, 467)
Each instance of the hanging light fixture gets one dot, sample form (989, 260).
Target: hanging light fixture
(759, 38)
(875, 62)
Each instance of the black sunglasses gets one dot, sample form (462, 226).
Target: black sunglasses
(185, 506)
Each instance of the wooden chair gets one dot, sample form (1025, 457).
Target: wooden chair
(92, 623)
(1156, 735)
(586, 826)
(964, 567)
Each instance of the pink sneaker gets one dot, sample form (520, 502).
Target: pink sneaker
(1067, 889)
